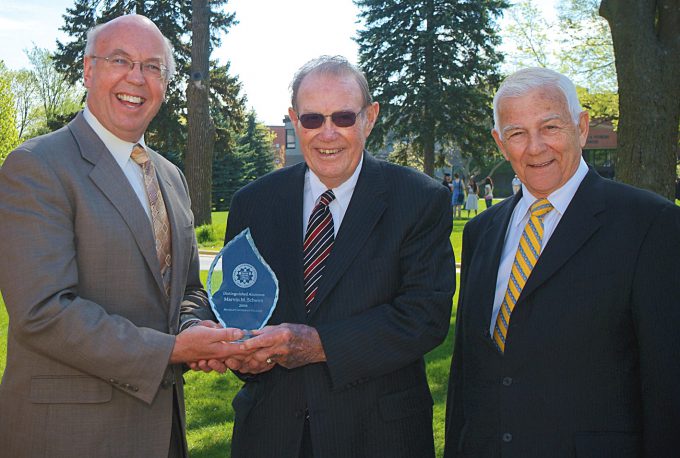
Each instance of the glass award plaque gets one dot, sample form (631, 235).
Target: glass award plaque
(242, 288)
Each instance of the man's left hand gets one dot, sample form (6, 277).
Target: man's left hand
(289, 345)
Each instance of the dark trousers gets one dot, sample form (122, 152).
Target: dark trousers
(306, 446)
(176, 436)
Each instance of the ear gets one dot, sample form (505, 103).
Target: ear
(293, 118)
(497, 138)
(583, 127)
(87, 71)
(371, 116)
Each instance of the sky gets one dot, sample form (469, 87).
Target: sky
(272, 40)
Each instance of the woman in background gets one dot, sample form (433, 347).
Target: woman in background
(472, 202)
(488, 192)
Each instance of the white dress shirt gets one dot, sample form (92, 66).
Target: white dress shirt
(121, 150)
(560, 200)
(338, 206)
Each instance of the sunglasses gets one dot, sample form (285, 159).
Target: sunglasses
(339, 118)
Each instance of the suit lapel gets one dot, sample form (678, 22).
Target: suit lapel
(577, 225)
(487, 258)
(110, 179)
(288, 218)
(365, 209)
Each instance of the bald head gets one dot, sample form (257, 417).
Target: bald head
(126, 24)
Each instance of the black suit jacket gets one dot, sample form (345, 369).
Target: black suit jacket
(592, 361)
(383, 302)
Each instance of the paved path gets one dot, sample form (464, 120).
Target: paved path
(207, 259)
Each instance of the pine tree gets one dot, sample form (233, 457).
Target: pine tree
(432, 65)
(255, 150)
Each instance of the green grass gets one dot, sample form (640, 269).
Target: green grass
(3, 335)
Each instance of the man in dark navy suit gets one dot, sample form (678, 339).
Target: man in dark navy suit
(569, 309)
(340, 369)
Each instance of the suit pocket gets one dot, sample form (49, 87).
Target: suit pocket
(607, 445)
(69, 389)
(395, 406)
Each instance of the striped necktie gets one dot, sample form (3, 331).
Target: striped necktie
(159, 214)
(528, 251)
(317, 245)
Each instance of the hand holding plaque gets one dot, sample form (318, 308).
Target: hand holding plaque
(244, 294)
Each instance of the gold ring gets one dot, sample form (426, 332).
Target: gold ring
(270, 361)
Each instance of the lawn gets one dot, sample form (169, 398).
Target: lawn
(209, 413)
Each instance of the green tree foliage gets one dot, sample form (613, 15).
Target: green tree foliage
(530, 34)
(432, 65)
(255, 150)
(9, 137)
(578, 44)
(240, 160)
(586, 50)
(167, 132)
(24, 90)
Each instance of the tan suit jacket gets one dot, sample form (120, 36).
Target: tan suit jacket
(90, 327)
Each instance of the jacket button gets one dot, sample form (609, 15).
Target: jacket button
(507, 381)
(507, 437)
(165, 384)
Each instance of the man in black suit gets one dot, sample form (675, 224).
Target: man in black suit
(586, 363)
(340, 368)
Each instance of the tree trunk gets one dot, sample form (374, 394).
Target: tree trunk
(429, 123)
(647, 52)
(201, 133)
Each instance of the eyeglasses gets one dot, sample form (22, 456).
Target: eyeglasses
(339, 118)
(123, 64)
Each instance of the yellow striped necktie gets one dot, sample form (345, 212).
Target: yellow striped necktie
(528, 251)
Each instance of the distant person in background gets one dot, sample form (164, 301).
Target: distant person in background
(458, 195)
(516, 185)
(488, 192)
(472, 202)
(447, 182)
(567, 342)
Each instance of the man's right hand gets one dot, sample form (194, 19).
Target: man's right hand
(206, 343)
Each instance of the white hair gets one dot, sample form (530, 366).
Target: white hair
(523, 81)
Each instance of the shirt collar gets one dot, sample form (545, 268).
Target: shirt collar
(560, 198)
(343, 193)
(120, 149)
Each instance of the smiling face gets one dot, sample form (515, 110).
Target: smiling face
(125, 101)
(332, 152)
(540, 139)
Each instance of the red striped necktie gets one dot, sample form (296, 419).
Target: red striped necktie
(317, 245)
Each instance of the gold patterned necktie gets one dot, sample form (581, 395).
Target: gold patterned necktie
(528, 251)
(159, 214)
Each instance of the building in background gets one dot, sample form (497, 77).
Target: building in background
(278, 145)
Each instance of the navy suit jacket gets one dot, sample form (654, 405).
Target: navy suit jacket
(383, 302)
(592, 360)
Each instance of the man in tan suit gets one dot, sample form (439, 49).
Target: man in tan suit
(94, 345)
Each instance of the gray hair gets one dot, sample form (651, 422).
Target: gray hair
(330, 65)
(93, 34)
(527, 79)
